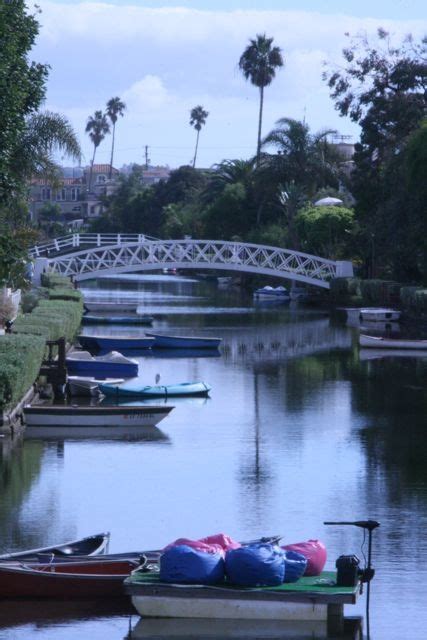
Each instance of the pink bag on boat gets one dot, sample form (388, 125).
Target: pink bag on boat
(314, 551)
(211, 544)
(223, 540)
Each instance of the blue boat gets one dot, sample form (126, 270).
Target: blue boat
(183, 342)
(133, 388)
(116, 343)
(111, 365)
(272, 293)
(134, 319)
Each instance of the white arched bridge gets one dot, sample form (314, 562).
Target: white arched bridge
(85, 256)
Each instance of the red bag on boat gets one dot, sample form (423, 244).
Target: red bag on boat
(223, 540)
(314, 551)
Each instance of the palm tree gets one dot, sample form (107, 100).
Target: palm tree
(258, 64)
(197, 119)
(115, 108)
(45, 134)
(97, 127)
(305, 159)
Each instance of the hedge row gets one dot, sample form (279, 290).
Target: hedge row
(61, 293)
(367, 292)
(52, 280)
(59, 317)
(20, 360)
(414, 299)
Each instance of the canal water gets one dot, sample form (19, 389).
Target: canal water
(301, 427)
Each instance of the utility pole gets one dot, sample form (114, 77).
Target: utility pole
(147, 159)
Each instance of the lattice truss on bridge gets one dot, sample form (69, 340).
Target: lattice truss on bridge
(197, 253)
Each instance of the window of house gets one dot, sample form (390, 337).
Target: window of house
(101, 178)
(75, 193)
(46, 193)
(61, 194)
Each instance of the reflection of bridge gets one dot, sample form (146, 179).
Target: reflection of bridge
(104, 254)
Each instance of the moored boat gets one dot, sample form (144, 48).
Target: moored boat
(116, 319)
(87, 387)
(133, 388)
(114, 307)
(115, 343)
(379, 314)
(378, 342)
(89, 546)
(183, 342)
(91, 417)
(272, 293)
(93, 579)
(109, 365)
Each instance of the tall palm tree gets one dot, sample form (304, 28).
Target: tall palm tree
(197, 119)
(115, 108)
(258, 63)
(97, 127)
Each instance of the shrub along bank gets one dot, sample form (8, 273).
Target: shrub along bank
(21, 353)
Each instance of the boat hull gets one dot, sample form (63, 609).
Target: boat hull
(112, 343)
(379, 315)
(94, 368)
(65, 581)
(110, 306)
(90, 545)
(93, 417)
(183, 342)
(135, 319)
(391, 343)
(195, 389)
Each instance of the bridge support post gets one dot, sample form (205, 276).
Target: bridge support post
(344, 269)
(40, 266)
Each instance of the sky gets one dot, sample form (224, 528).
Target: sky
(164, 57)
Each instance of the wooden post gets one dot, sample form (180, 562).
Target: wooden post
(335, 619)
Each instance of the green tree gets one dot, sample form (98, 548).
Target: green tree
(258, 64)
(197, 119)
(382, 88)
(325, 231)
(22, 88)
(97, 127)
(115, 108)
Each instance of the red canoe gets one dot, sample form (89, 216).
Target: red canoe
(91, 579)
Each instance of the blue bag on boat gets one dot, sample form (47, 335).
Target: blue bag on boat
(183, 564)
(255, 565)
(295, 566)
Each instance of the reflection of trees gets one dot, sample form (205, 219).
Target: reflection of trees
(392, 394)
(18, 472)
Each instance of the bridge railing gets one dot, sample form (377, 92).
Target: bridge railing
(75, 240)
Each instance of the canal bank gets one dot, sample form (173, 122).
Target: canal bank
(46, 324)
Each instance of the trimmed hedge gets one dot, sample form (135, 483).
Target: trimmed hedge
(61, 317)
(20, 360)
(59, 293)
(414, 299)
(52, 280)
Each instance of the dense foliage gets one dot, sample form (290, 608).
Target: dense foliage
(383, 88)
(20, 361)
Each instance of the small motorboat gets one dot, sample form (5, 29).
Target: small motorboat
(109, 365)
(92, 579)
(133, 388)
(89, 546)
(378, 314)
(272, 293)
(378, 342)
(113, 307)
(87, 387)
(114, 343)
(97, 419)
(183, 342)
(114, 319)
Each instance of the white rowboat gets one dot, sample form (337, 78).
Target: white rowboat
(378, 314)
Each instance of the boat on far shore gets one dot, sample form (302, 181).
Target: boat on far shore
(375, 314)
(272, 293)
(116, 319)
(379, 342)
(114, 307)
(183, 342)
(115, 342)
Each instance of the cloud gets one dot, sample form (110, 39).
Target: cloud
(162, 62)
